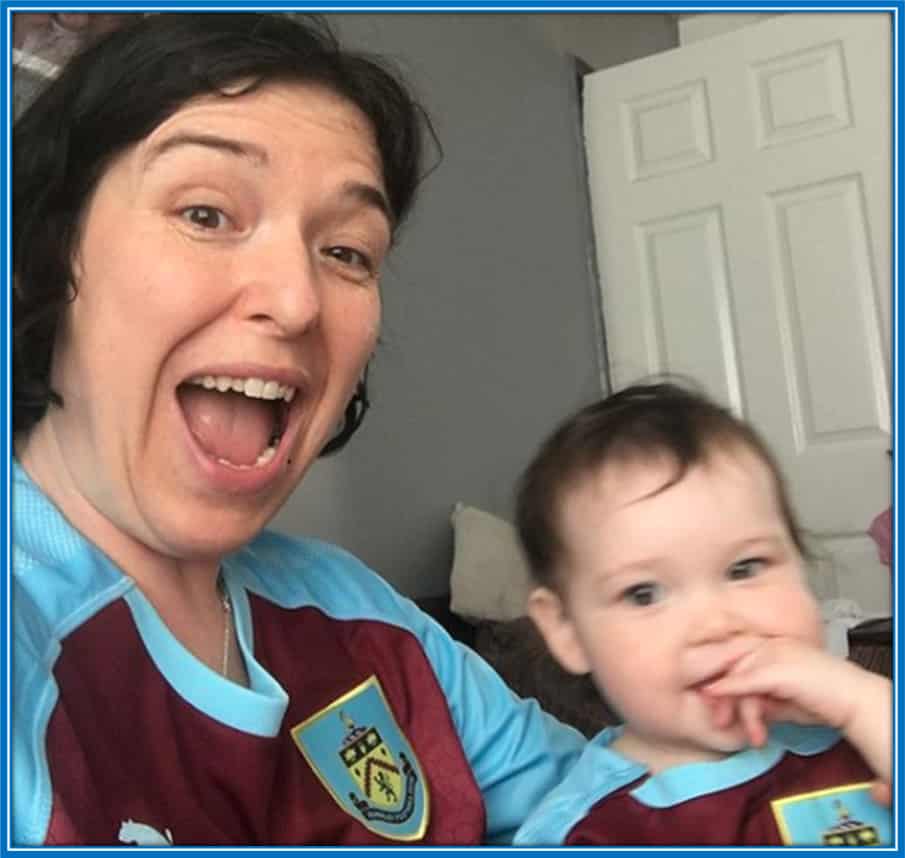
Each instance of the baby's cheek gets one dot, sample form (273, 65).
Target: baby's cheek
(809, 621)
(819, 638)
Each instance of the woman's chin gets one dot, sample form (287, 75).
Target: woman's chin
(205, 534)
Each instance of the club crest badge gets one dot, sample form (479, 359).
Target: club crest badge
(359, 753)
(844, 816)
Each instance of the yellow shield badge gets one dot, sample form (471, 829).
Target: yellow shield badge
(839, 816)
(359, 753)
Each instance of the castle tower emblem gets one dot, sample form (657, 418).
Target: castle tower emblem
(371, 764)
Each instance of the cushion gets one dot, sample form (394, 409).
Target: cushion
(490, 578)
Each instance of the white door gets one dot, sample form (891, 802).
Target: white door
(741, 192)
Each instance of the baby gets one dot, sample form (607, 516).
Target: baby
(669, 566)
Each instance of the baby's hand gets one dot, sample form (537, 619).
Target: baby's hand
(794, 681)
(716, 658)
(787, 680)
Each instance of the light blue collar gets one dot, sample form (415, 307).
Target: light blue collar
(681, 783)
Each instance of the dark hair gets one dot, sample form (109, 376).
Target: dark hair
(637, 423)
(115, 93)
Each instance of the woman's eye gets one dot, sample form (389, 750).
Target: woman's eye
(355, 260)
(643, 594)
(744, 569)
(205, 217)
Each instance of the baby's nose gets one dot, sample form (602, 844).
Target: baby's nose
(712, 618)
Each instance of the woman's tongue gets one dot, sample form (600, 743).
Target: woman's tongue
(228, 426)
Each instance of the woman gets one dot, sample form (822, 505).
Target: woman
(201, 208)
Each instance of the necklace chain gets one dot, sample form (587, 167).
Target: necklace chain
(227, 625)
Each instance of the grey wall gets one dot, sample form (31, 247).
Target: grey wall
(608, 39)
(490, 331)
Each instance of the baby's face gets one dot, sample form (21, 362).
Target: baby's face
(665, 589)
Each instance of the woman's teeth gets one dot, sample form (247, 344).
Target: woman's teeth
(267, 454)
(254, 388)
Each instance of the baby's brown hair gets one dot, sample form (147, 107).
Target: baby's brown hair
(641, 422)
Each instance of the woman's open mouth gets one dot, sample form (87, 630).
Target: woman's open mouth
(237, 421)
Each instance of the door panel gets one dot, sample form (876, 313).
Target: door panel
(740, 191)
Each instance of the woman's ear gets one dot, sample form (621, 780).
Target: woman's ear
(558, 631)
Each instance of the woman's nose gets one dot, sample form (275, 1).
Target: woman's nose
(282, 286)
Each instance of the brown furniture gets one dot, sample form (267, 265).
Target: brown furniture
(870, 644)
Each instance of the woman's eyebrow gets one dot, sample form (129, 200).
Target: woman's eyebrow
(361, 192)
(371, 196)
(249, 151)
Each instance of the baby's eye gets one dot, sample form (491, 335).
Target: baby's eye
(205, 217)
(357, 262)
(643, 594)
(744, 569)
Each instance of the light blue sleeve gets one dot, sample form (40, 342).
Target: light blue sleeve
(597, 773)
(33, 696)
(518, 753)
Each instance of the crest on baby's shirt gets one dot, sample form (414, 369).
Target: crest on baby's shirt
(361, 756)
(841, 816)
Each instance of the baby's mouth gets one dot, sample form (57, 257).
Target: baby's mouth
(237, 421)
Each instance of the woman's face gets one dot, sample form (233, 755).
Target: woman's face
(227, 302)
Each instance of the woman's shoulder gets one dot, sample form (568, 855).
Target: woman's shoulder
(294, 572)
(59, 580)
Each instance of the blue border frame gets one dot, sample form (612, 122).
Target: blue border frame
(897, 7)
